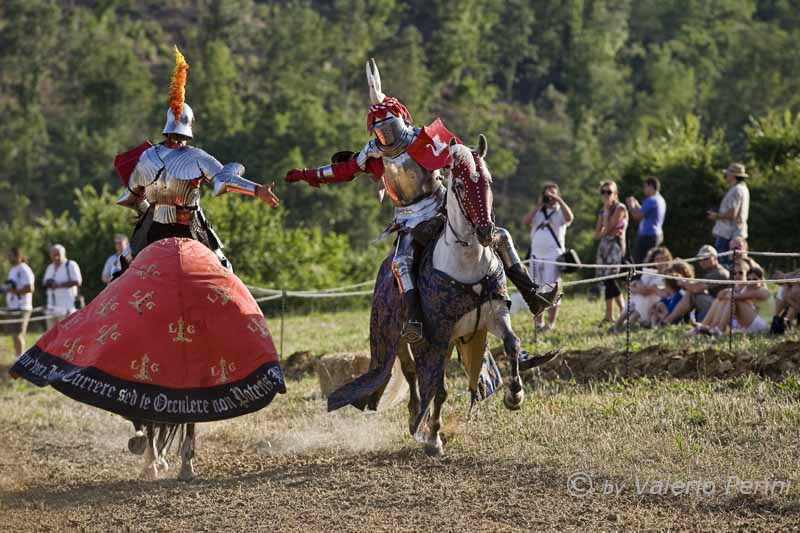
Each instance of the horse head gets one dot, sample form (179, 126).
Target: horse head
(470, 188)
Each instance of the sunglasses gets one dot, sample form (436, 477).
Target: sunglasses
(606, 192)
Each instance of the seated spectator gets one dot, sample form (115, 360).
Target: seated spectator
(667, 303)
(681, 268)
(751, 309)
(787, 300)
(699, 296)
(646, 291)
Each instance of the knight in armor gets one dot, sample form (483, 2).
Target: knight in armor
(164, 185)
(177, 336)
(406, 162)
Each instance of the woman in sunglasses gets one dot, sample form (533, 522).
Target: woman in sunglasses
(752, 311)
(612, 221)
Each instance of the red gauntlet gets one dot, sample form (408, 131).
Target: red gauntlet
(310, 175)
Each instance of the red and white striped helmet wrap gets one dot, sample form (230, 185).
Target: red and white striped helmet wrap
(389, 106)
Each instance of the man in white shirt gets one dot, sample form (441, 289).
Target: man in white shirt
(113, 262)
(548, 221)
(731, 219)
(19, 296)
(61, 279)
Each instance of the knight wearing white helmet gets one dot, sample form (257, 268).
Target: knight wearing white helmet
(164, 185)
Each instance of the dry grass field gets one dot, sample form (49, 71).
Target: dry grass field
(646, 453)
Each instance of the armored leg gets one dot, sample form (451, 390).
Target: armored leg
(518, 274)
(403, 269)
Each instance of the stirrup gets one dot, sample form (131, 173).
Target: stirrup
(412, 331)
(539, 301)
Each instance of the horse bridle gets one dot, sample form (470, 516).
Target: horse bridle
(459, 240)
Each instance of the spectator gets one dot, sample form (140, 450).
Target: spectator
(699, 296)
(787, 299)
(751, 309)
(61, 279)
(731, 219)
(646, 292)
(612, 221)
(19, 296)
(681, 268)
(672, 295)
(548, 220)
(790, 298)
(113, 262)
(650, 215)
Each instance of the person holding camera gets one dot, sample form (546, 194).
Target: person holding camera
(19, 296)
(61, 279)
(548, 220)
(650, 214)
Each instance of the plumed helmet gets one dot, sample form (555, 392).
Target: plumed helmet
(183, 124)
(179, 115)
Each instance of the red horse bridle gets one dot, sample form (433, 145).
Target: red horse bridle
(473, 192)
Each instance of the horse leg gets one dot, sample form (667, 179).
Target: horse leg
(514, 393)
(410, 373)
(434, 445)
(150, 470)
(187, 453)
(138, 443)
(162, 445)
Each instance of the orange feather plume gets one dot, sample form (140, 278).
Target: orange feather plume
(177, 87)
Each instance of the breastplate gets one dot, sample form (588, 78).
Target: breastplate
(172, 178)
(406, 181)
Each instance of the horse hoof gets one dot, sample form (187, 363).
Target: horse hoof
(513, 402)
(137, 444)
(150, 472)
(186, 473)
(434, 450)
(162, 464)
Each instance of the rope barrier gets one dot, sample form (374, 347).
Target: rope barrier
(721, 281)
(617, 265)
(773, 254)
(31, 319)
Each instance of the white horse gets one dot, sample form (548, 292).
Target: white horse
(463, 292)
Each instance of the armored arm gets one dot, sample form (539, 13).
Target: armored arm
(368, 160)
(133, 195)
(230, 179)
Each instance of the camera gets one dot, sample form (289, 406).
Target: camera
(50, 283)
(548, 199)
(9, 285)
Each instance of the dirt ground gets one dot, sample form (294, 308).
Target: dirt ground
(292, 467)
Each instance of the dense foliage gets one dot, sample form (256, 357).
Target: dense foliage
(570, 90)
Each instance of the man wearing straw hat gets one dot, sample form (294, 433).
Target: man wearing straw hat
(731, 218)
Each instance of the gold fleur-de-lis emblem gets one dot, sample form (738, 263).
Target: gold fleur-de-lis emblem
(181, 329)
(108, 306)
(150, 271)
(145, 368)
(223, 370)
(218, 294)
(259, 326)
(109, 332)
(141, 301)
(73, 347)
